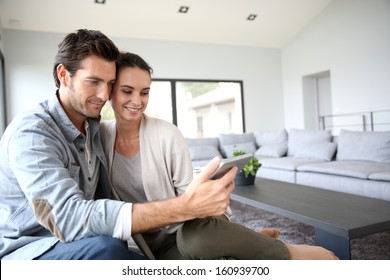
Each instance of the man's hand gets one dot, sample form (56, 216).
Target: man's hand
(205, 197)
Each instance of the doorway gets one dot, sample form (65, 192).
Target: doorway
(317, 100)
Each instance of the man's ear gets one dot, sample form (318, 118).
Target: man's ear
(62, 74)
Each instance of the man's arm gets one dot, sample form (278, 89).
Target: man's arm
(203, 198)
(44, 171)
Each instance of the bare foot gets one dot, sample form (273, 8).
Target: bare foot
(307, 252)
(271, 232)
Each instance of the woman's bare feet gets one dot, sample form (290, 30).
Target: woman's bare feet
(271, 232)
(307, 252)
(301, 251)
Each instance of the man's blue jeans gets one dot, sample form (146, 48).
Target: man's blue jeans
(93, 248)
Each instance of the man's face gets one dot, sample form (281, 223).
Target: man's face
(90, 87)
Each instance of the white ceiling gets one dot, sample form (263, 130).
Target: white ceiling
(207, 21)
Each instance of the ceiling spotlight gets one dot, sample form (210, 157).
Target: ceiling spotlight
(251, 17)
(183, 9)
(100, 1)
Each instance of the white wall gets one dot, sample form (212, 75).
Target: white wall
(1, 39)
(351, 38)
(30, 56)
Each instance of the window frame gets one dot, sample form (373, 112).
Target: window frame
(3, 98)
(174, 93)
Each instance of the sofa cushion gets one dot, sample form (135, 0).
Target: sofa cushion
(211, 141)
(228, 150)
(228, 141)
(203, 149)
(323, 151)
(198, 165)
(368, 188)
(271, 143)
(232, 138)
(203, 152)
(380, 176)
(364, 145)
(263, 138)
(298, 138)
(274, 150)
(356, 169)
(285, 163)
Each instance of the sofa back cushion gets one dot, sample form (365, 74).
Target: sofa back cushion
(237, 142)
(321, 151)
(300, 138)
(263, 138)
(211, 141)
(203, 148)
(364, 145)
(271, 143)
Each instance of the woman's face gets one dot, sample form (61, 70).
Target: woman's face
(130, 95)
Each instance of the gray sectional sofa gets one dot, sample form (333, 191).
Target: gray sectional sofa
(353, 162)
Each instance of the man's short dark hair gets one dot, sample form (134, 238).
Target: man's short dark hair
(77, 46)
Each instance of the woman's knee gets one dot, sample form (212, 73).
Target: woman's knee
(196, 238)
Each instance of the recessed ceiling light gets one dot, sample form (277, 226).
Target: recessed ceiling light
(251, 17)
(183, 9)
(100, 1)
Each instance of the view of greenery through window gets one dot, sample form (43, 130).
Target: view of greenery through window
(198, 108)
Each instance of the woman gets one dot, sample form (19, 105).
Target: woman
(136, 145)
(149, 160)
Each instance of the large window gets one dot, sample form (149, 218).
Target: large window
(198, 108)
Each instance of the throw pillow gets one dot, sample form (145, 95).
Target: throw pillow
(275, 150)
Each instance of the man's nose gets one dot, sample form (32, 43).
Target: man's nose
(104, 92)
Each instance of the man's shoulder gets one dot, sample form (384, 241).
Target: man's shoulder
(35, 116)
(41, 121)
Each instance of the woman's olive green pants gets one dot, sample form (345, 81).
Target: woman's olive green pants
(218, 238)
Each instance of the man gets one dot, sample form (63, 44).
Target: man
(54, 193)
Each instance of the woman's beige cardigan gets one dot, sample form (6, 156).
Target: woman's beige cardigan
(165, 159)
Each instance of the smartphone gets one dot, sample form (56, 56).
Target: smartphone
(227, 163)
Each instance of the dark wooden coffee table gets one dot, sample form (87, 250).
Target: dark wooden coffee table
(336, 217)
